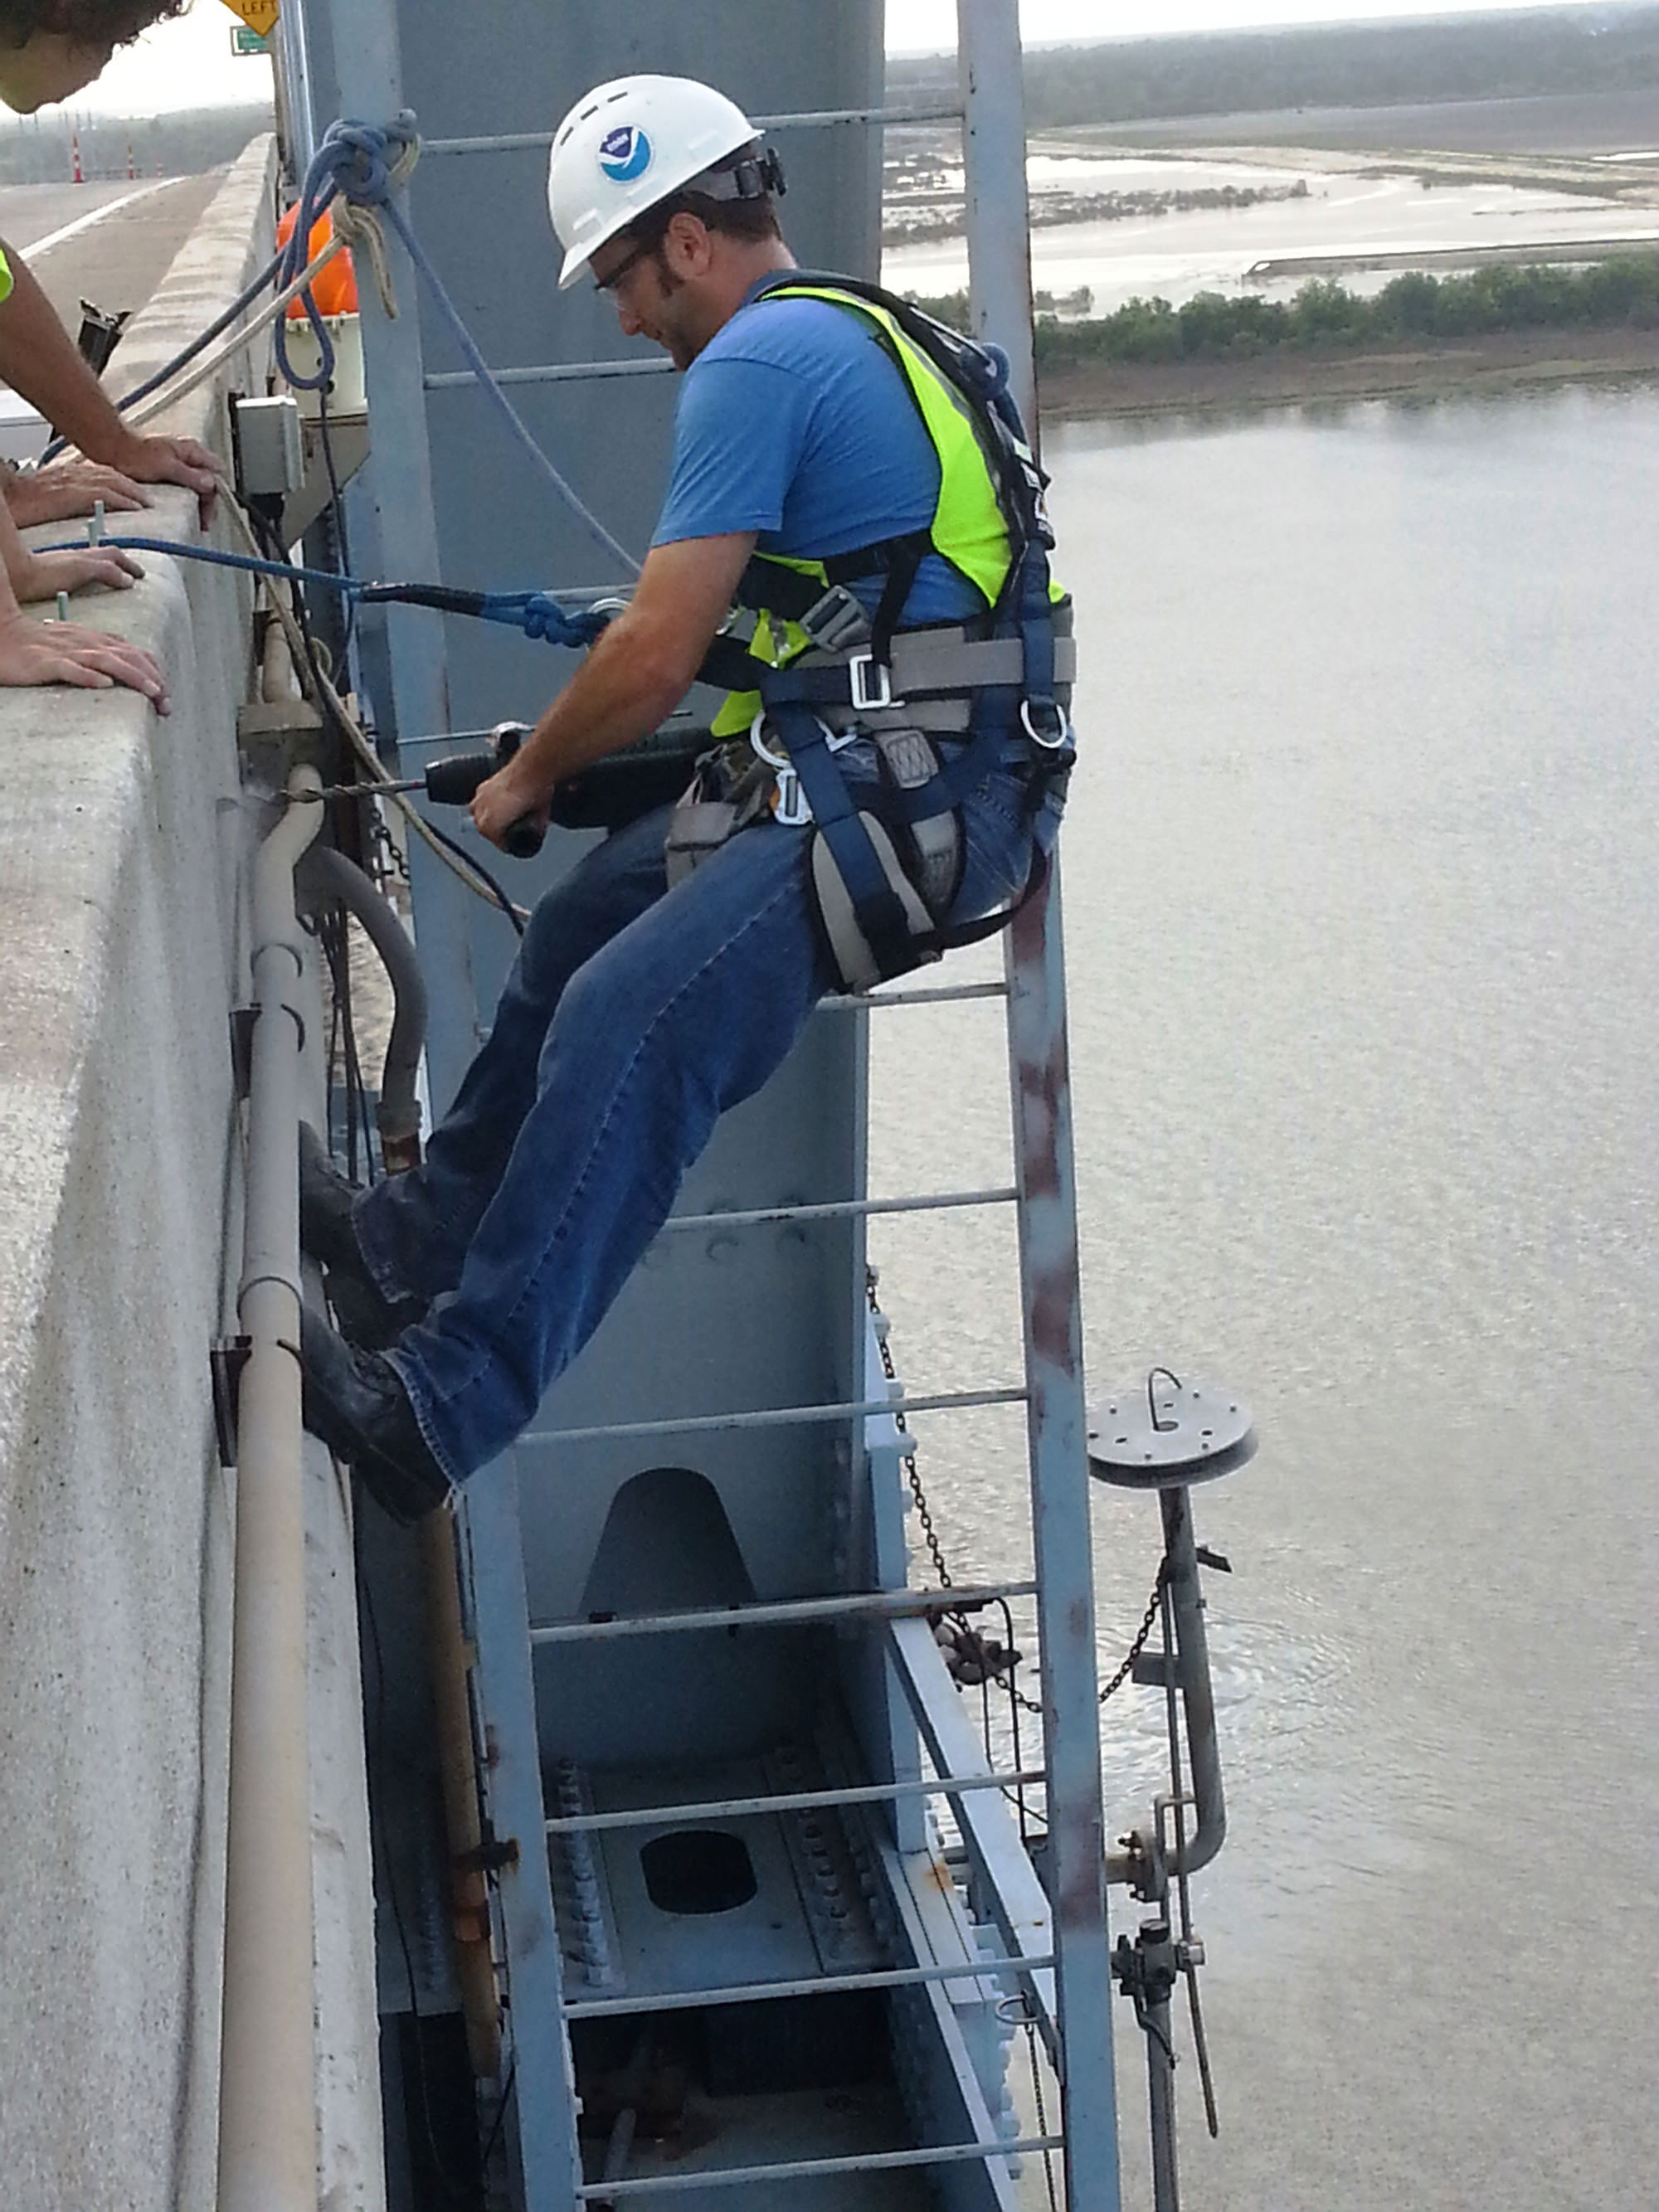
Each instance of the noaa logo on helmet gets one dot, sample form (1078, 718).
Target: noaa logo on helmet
(624, 153)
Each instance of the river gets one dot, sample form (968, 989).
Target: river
(1362, 908)
(1347, 212)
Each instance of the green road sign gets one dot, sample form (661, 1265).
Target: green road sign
(244, 41)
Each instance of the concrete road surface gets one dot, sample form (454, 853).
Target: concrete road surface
(110, 242)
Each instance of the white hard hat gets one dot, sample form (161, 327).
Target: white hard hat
(627, 145)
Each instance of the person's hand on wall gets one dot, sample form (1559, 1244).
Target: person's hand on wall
(185, 461)
(43, 575)
(67, 489)
(60, 652)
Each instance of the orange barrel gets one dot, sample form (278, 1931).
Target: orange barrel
(334, 289)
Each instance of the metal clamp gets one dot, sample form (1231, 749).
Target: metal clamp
(859, 678)
(836, 622)
(835, 741)
(1062, 726)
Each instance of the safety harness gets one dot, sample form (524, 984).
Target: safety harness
(818, 671)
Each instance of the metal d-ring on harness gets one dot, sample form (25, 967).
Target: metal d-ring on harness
(885, 871)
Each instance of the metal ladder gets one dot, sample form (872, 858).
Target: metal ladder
(1060, 1959)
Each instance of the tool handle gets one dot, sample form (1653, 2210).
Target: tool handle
(455, 781)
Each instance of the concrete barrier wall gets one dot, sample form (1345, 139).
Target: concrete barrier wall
(122, 844)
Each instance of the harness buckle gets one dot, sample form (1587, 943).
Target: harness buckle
(836, 622)
(790, 808)
(869, 683)
(835, 741)
(1056, 732)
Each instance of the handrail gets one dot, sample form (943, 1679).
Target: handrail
(267, 2101)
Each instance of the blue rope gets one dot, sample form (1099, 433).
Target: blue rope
(357, 160)
(537, 614)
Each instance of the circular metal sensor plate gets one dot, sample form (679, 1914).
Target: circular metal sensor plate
(1155, 1437)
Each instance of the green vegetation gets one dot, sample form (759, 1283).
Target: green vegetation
(1497, 57)
(1326, 317)
(37, 149)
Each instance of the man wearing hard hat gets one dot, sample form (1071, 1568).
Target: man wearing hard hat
(888, 780)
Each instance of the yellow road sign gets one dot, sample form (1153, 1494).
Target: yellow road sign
(257, 15)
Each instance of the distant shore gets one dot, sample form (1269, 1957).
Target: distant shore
(1493, 360)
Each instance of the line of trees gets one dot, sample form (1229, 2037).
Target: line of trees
(1607, 48)
(37, 149)
(1622, 292)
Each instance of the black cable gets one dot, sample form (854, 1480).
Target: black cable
(496, 2125)
(238, 305)
(481, 873)
(337, 950)
(303, 621)
(337, 513)
(373, 1749)
(1026, 1812)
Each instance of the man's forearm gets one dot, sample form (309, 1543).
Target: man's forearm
(39, 358)
(619, 695)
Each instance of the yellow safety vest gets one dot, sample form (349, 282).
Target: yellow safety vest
(967, 530)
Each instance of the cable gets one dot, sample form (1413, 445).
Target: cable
(373, 1753)
(216, 360)
(367, 164)
(220, 324)
(324, 695)
(539, 614)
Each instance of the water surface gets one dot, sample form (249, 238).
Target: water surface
(1362, 880)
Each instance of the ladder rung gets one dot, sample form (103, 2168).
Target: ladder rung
(539, 142)
(819, 118)
(802, 2169)
(780, 1417)
(894, 1978)
(842, 1209)
(560, 372)
(794, 1801)
(785, 1612)
(943, 995)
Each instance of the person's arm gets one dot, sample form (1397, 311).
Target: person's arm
(40, 359)
(64, 489)
(636, 674)
(61, 653)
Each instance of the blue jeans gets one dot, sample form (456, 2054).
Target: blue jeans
(633, 1018)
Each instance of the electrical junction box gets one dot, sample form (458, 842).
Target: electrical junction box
(269, 447)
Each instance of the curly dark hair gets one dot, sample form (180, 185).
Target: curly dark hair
(93, 21)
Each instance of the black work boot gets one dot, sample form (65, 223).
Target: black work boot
(367, 1315)
(356, 1401)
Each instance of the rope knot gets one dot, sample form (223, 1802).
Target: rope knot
(366, 162)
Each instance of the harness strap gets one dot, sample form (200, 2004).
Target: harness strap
(791, 592)
(881, 914)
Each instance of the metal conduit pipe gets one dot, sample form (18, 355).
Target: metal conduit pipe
(329, 875)
(1197, 1690)
(267, 2101)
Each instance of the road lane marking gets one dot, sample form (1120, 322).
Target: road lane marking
(92, 215)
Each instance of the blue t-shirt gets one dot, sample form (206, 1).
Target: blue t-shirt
(794, 422)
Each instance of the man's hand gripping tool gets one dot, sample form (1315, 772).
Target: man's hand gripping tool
(455, 780)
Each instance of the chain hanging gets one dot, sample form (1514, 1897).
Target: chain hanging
(1149, 1621)
(935, 1551)
(991, 1654)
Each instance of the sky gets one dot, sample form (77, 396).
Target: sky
(189, 64)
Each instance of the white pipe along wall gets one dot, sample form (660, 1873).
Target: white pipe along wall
(124, 848)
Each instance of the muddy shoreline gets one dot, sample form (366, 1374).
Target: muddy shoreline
(1497, 361)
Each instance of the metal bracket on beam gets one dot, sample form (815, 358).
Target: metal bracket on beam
(242, 1019)
(227, 1357)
